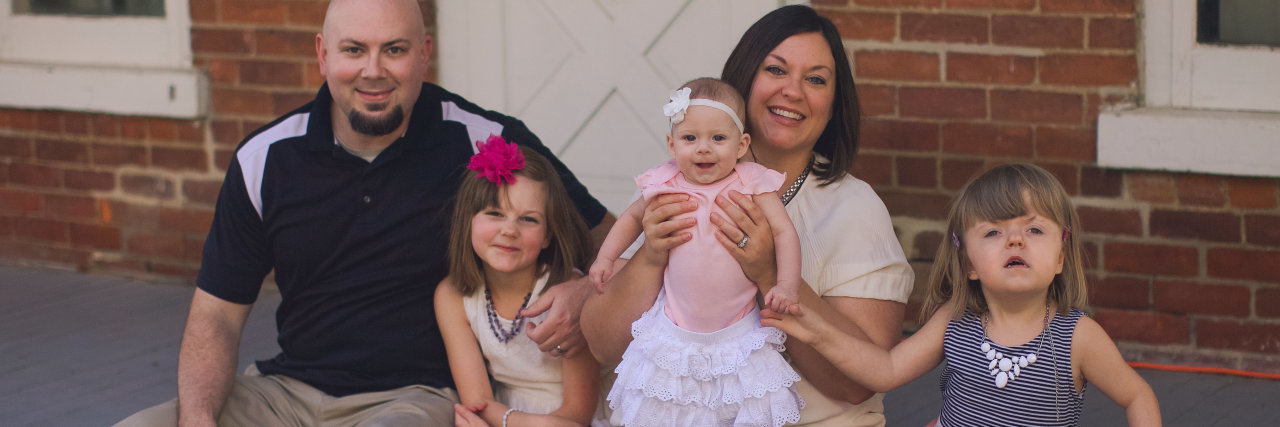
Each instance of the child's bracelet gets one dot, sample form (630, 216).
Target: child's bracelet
(505, 415)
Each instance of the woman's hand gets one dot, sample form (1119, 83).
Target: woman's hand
(468, 415)
(745, 218)
(662, 230)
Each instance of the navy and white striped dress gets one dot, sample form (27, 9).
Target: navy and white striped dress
(969, 393)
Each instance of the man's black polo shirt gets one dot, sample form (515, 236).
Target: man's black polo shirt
(357, 247)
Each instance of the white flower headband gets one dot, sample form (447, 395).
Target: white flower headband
(680, 103)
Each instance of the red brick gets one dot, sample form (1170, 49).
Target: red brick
(1151, 187)
(1066, 143)
(899, 135)
(89, 180)
(191, 131)
(944, 28)
(877, 100)
(1238, 335)
(203, 11)
(874, 169)
(77, 123)
(1120, 292)
(288, 43)
(34, 175)
(900, 3)
(946, 103)
(1230, 263)
(307, 13)
(148, 186)
(194, 249)
(1201, 190)
(1161, 260)
(40, 229)
(16, 147)
(162, 129)
(917, 172)
(1037, 107)
(1088, 6)
(253, 11)
(19, 201)
(227, 132)
(61, 151)
(6, 228)
(70, 207)
(105, 125)
(1262, 230)
(223, 70)
(95, 236)
(275, 73)
(1215, 227)
(864, 26)
(286, 102)
(1195, 298)
(222, 159)
(916, 205)
(237, 101)
(986, 139)
(975, 68)
(1144, 326)
(896, 65)
(1037, 31)
(1267, 303)
(1252, 193)
(992, 4)
(156, 245)
(1126, 222)
(1068, 175)
(49, 121)
(222, 41)
(133, 127)
(185, 221)
(1088, 70)
(313, 79)
(20, 119)
(1113, 33)
(205, 192)
(957, 173)
(179, 158)
(926, 245)
(116, 155)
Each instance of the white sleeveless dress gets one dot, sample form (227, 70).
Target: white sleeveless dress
(524, 377)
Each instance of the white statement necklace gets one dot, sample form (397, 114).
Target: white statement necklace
(1005, 368)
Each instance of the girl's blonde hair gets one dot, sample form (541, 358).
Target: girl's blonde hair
(570, 241)
(1005, 192)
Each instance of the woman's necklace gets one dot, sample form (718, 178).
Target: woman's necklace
(495, 322)
(1005, 367)
(795, 185)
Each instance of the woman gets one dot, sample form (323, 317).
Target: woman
(802, 113)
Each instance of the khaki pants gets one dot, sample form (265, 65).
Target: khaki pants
(277, 400)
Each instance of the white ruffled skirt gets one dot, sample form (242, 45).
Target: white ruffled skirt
(735, 376)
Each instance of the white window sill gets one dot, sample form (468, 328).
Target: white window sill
(1183, 140)
(159, 92)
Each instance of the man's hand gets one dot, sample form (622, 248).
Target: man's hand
(559, 333)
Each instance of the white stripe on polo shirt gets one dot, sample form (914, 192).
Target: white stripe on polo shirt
(253, 155)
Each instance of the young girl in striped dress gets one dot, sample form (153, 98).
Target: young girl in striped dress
(1004, 312)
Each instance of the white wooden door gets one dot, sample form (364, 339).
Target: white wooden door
(589, 77)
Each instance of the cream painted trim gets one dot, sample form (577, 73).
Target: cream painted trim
(118, 65)
(1202, 141)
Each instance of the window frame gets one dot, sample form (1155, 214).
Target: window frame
(1208, 108)
(114, 64)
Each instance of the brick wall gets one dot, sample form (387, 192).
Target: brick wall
(1184, 268)
(134, 195)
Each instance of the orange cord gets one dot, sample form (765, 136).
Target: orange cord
(1205, 370)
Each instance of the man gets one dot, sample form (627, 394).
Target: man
(348, 199)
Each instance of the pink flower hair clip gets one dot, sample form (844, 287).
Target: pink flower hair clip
(495, 159)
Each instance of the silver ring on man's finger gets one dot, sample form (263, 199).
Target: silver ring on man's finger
(743, 243)
(560, 351)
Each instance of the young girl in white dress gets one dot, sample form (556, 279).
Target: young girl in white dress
(1005, 301)
(700, 356)
(515, 232)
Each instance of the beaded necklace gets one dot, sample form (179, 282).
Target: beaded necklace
(795, 185)
(495, 322)
(1006, 368)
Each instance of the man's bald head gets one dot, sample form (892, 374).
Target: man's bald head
(405, 9)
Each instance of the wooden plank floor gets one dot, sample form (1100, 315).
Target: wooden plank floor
(86, 350)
